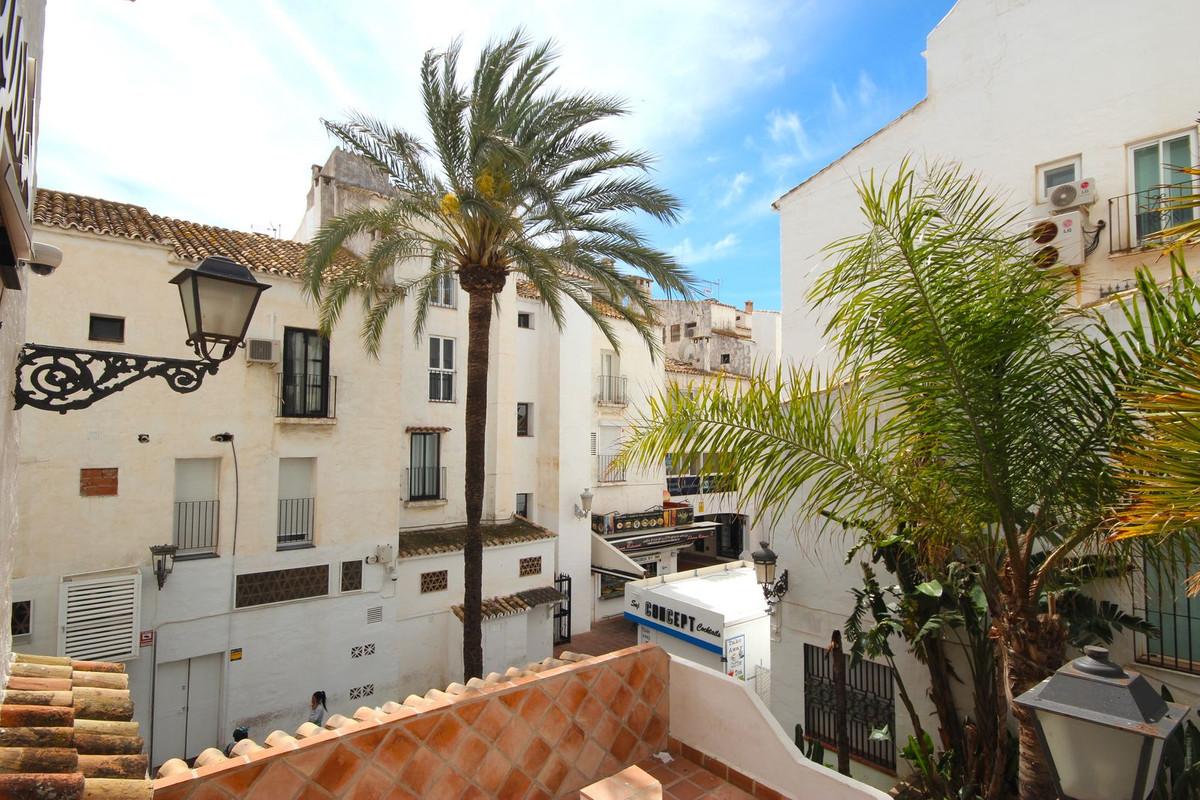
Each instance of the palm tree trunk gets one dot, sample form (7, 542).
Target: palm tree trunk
(1033, 646)
(479, 324)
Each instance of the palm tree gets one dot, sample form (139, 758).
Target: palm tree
(969, 405)
(515, 178)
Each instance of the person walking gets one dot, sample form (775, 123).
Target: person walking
(239, 733)
(317, 709)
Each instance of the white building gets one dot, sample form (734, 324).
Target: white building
(1031, 96)
(327, 532)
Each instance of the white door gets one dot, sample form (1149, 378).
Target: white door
(187, 697)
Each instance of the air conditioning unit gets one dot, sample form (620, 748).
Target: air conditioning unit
(1057, 241)
(1067, 196)
(262, 351)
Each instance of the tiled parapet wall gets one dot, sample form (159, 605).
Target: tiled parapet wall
(534, 735)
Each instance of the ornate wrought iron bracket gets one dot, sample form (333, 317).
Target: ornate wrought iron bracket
(63, 379)
(774, 592)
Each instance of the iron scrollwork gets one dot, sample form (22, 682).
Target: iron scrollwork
(63, 379)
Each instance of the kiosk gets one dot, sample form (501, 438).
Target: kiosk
(715, 616)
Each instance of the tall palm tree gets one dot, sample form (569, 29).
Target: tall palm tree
(515, 178)
(969, 405)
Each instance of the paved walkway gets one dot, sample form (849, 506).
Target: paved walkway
(606, 635)
(683, 779)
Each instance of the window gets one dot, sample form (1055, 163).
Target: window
(523, 504)
(280, 585)
(529, 567)
(102, 328)
(1056, 173)
(724, 358)
(612, 587)
(297, 503)
(689, 330)
(1157, 181)
(100, 618)
(441, 369)
(445, 291)
(425, 467)
(871, 686)
(674, 333)
(524, 419)
(98, 482)
(435, 581)
(1174, 614)
(352, 577)
(524, 319)
(22, 617)
(305, 377)
(196, 507)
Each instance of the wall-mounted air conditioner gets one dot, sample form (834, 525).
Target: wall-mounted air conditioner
(1057, 241)
(262, 351)
(1068, 196)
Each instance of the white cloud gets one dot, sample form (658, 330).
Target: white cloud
(224, 129)
(786, 128)
(836, 100)
(689, 254)
(866, 89)
(735, 188)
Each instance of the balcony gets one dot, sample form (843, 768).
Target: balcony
(306, 397)
(195, 527)
(296, 517)
(671, 515)
(610, 390)
(700, 484)
(1134, 217)
(608, 470)
(425, 484)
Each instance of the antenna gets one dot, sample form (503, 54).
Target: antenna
(710, 289)
(271, 229)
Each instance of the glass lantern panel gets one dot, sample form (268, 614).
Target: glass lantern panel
(186, 288)
(1094, 762)
(224, 307)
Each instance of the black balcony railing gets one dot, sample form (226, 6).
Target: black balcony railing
(195, 527)
(296, 516)
(608, 470)
(1134, 217)
(426, 483)
(610, 390)
(311, 396)
(700, 484)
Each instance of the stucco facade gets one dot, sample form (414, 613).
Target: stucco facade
(1014, 89)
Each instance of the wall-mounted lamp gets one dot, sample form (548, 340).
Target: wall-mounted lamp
(584, 507)
(765, 562)
(219, 297)
(163, 558)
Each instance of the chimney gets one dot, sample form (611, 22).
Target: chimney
(749, 306)
(643, 284)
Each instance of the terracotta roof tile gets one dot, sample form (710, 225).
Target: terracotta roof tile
(431, 541)
(506, 606)
(675, 365)
(426, 429)
(528, 291)
(191, 241)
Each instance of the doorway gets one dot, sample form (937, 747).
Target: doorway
(187, 707)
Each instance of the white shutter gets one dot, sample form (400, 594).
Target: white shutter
(99, 617)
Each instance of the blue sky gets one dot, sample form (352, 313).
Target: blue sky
(210, 111)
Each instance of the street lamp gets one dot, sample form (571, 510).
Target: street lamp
(163, 558)
(219, 297)
(765, 562)
(585, 498)
(1101, 728)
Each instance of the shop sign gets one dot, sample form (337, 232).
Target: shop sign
(692, 623)
(735, 657)
(146, 639)
(660, 540)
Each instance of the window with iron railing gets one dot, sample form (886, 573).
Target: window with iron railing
(608, 470)
(296, 515)
(304, 382)
(1176, 616)
(426, 478)
(196, 511)
(610, 390)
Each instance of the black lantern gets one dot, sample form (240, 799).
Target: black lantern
(219, 297)
(1102, 728)
(765, 562)
(163, 558)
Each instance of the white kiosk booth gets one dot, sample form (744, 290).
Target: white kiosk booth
(715, 616)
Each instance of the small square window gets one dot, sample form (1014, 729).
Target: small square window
(524, 419)
(102, 328)
(352, 575)
(524, 319)
(22, 617)
(1056, 173)
(523, 504)
(435, 581)
(689, 330)
(724, 358)
(530, 566)
(674, 333)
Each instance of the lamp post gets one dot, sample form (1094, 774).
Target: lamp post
(585, 499)
(1101, 728)
(219, 297)
(163, 557)
(765, 563)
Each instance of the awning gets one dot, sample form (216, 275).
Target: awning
(608, 560)
(659, 538)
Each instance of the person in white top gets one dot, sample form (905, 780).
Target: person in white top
(316, 714)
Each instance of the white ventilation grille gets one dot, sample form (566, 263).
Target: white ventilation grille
(594, 436)
(359, 692)
(362, 650)
(99, 617)
(374, 614)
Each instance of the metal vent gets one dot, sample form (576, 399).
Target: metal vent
(594, 443)
(359, 692)
(374, 614)
(262, 351)
(99, 617)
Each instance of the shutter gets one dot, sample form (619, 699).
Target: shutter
(594, 449)
(99, 617)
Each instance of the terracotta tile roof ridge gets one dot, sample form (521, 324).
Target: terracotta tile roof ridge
(516, 603)
(450, 539)
(247, 750)
(676, 365)
(67, 731)
(527, 290)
